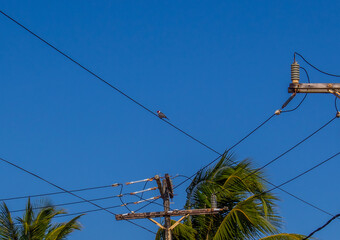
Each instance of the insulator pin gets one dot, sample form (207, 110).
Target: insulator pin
(295, 72)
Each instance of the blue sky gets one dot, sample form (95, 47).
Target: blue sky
(217, 69)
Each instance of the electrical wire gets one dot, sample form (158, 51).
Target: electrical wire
(97, 210)
(219, 155)
(54, 193)
(303, 173)
(290, 149)
(104, 81)
(146, 183)
(133, 100)
(322, 227)
(329, 74)
(275, 159)
(228, 150)
(124, 94)
(336, 104)
(78, 202)
(71, 193)
(293, 147)
(121, 200)
(304, 97)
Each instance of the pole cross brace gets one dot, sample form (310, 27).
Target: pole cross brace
(176, 223)
(314, 87)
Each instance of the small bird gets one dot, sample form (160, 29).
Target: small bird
(161, 115)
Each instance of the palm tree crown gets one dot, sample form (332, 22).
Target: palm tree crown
(36, 224)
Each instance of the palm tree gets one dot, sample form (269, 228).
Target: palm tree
(36, 224)
(252, 212)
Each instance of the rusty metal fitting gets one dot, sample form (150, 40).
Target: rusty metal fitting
(278, 112)
(338, 114)
(295, 72)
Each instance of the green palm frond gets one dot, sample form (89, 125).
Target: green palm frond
(61, 231)
(247, 220)
(284, 236)
(36, 224)
(8, 229)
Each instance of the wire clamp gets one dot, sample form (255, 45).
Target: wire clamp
(338, 114)
(278, 112)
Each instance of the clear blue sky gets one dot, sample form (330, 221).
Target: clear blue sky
(217, 69)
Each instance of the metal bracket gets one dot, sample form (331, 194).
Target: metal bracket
(335, 93)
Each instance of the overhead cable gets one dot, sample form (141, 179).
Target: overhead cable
(305, 172)
(55, 193)
(107, 83)
(322, 227)
(329, 74)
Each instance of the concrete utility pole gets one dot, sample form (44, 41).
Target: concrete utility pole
(166, 190)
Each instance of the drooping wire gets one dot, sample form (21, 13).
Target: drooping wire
(322, 227)
(304, 97)
(336, 104)
(329, 74)
(71, 193)
(107, 83)
(146, 183)
(121, 200)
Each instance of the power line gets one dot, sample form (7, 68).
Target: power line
(71, 193)
(54, 193)
(322, 227)
(336, 104)
(124, 94)
(228, 150)
(133, 100)
(293, 147)
(121, 92)
(275, 159)
(107, 83)
(219, 155)
(329, 74)
(305, 172)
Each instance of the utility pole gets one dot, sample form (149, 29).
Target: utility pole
(166, 190)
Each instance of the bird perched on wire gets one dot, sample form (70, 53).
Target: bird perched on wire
(161, 115)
